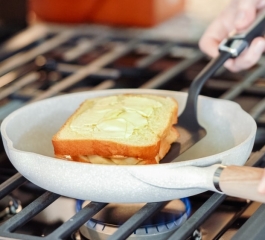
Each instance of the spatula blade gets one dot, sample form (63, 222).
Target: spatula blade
(186, 140)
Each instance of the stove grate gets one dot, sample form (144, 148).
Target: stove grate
(11, 184)
(180, 68)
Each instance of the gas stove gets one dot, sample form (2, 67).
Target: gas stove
(45, 61)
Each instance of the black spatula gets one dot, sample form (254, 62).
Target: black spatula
(188, 126)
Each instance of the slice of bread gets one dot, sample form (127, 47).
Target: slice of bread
(120, 129)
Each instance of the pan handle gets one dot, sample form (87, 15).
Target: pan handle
(238, 181)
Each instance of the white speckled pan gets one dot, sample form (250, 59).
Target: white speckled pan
(27, 135)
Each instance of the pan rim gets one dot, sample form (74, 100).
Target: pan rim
(11, 147)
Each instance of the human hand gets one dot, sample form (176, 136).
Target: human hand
(237, 16)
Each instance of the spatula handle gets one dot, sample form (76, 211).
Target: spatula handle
(242, 182)
(231, 47)
(190, 111)
(238, 42)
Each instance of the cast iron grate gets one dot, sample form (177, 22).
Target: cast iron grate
(43, 70)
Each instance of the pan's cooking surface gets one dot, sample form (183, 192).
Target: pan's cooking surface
(56, 63)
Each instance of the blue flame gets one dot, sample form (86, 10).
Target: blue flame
(186, 201)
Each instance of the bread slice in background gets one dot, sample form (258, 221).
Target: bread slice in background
(120, 129)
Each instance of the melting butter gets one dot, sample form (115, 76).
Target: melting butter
(115, 117)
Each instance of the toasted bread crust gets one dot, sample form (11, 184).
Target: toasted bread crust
(103, 148)
(147, 155)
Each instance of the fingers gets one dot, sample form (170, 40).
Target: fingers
(218, 30)
(209, 44)
(246, 13)
(261, 187)
(236, 17)
(248, 58)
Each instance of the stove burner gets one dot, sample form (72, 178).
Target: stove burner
(160, 226)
